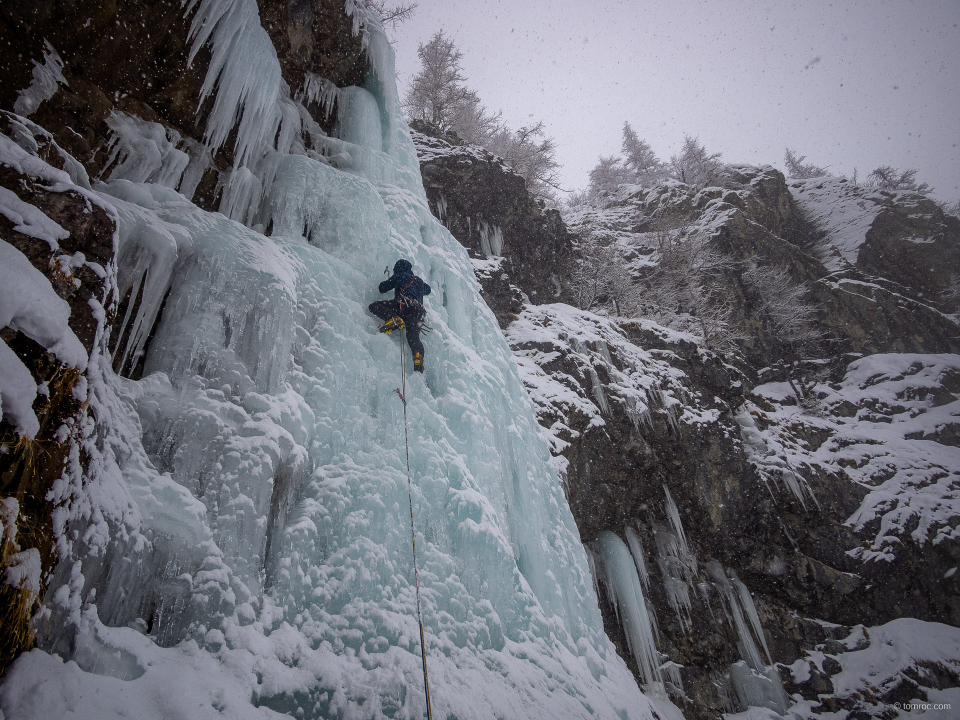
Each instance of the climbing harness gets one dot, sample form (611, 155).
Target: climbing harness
(413, 532)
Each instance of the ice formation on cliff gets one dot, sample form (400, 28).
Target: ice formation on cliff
(234, 540)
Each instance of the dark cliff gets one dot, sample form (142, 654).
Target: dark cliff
(486, 206)
(783, 495)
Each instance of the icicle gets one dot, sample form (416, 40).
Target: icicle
(597, 390)
(670, 671)
(747, 601)
(491, 239)
(319, 90)
(657, 397)
(636, 549)
(200, 162)
(678, 565)
(638, 412)
(44, 84)
(148, 252)
(756, 683)
(442, 210)
(143, 151)
(674, 515)
(288, 136)
(768, 465)
(242, 191)
(243, 78)
(625, 592)
(605, 352)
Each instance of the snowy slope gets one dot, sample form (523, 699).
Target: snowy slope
(237, 542)
(890, 426)
(843, 212)
(901, 669)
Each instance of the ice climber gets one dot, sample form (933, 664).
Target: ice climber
(406, 310)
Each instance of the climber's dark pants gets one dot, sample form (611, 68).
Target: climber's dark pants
(411, 314)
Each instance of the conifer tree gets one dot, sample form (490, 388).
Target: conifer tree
(796, 168)
(695, 166)
(639, 159)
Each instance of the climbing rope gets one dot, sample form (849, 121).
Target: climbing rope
(413, 533)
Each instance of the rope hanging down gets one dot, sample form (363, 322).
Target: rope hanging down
(413, 533)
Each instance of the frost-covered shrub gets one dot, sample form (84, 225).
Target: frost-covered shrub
(684, 291)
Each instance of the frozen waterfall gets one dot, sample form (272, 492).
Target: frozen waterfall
(238, 542)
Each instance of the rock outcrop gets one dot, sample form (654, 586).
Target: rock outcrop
(724, 478)
(71, 243)
(486, 206)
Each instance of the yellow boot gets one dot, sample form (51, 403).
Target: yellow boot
(392, 324)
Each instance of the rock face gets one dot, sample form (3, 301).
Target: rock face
(721, 475)
(486, 207)
(75, 266)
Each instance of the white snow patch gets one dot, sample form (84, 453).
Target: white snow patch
(30, 220)
(29, 304)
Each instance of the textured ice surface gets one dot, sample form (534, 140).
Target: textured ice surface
(237, 542)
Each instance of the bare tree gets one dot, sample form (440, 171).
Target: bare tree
(796, 168)
(695, 166)
(684, 291)
(531, 155)
(783, 308)
(782, 304)
(600, 278)
(389, 15)
(438, 93)
(887, 177)
(471, 121)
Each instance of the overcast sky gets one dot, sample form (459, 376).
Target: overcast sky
(848, 84)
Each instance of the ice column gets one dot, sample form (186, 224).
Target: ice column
(756, 684)
(491, 239)
(625, 592)
(677, 564)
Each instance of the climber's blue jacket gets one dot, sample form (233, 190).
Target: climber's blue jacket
(404, 283)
